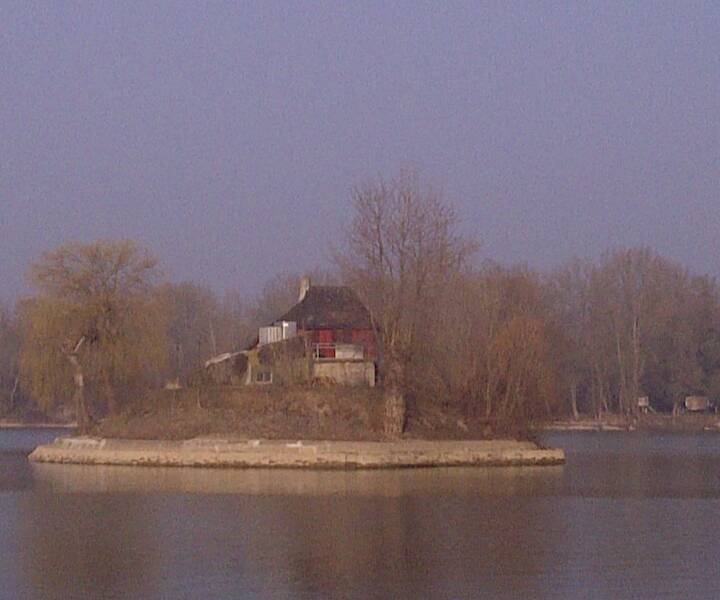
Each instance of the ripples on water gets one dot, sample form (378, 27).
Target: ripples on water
(629, 516)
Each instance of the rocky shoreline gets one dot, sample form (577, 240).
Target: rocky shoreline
(5, 424)
(652, 422)
(257, 453)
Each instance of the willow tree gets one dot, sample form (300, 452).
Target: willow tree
(95, 324)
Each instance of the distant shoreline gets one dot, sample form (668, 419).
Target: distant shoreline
(645, 422)
(41, 425)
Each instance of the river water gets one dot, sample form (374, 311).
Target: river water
(629, 516)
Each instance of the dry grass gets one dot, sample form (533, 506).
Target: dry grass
(272, 412)
(255, 412)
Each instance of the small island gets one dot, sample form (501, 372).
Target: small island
(409, 352)
(346, 376)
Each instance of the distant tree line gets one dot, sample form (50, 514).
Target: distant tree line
(508, 345)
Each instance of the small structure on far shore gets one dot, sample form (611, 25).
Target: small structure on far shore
(698, 404)
(643, 404)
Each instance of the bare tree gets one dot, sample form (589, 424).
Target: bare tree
(568, 296)
(490, 349)
(197, 327)
(403, 248)
(634, 324)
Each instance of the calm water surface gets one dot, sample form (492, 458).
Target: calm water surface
(629, 516)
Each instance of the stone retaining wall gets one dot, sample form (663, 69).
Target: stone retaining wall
(212, 452)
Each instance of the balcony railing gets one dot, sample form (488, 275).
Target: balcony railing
(333, 351)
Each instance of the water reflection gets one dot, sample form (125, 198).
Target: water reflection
(412, 547)
(640, 465)
(15, 444)
(491, 481)
(637, 520)
(103, 547)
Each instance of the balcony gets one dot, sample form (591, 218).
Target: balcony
(333, 351)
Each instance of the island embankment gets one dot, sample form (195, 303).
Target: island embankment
(10, 424)
(643, 422)
(334, 428)
(257, 453)
(333, 413)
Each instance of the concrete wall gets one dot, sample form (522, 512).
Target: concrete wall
(219, 452)
(346, 372)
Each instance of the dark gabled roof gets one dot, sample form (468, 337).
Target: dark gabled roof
(329, 307)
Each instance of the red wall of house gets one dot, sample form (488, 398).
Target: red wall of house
(364, 337)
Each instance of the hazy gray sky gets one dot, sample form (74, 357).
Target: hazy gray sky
(226, 136)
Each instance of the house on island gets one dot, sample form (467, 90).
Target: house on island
(326, 337)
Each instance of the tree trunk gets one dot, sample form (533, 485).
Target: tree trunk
(395, 405)
(81, 415)
(395, 409)
(110, 398)
(488, 398)
(213, 341)
(622, 395)
(637, 366)
(11, 402)
(573, 400)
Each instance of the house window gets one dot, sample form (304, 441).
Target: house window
(263, 377)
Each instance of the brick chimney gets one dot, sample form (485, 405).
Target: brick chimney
(304, 287)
